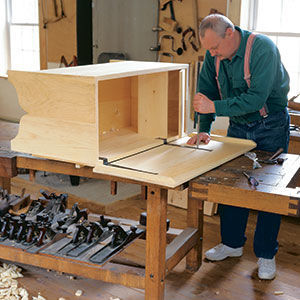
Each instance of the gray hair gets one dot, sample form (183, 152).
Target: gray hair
(216, 22)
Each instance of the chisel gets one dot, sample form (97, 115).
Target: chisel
(197, 124)
(251, 180)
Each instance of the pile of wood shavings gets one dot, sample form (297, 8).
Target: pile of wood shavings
(9, 289)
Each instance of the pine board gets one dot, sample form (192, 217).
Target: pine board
(171, 166)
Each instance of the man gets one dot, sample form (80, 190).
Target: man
(256, 109)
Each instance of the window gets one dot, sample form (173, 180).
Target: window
(279, 20)
(20, 35)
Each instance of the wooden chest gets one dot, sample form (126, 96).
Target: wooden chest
(125, 119)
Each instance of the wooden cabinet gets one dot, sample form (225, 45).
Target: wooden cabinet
(125, 119)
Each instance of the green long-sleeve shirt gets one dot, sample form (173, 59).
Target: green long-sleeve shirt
(269, 83)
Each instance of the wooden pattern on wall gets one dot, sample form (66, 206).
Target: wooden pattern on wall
(189, 13)
(185, 14)
(57, 33)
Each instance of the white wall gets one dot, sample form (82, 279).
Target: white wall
(4, 39)
(125, 26)
(10, 109)
(221, 123)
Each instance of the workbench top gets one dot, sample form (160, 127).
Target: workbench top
(277, 190)
(270, 175)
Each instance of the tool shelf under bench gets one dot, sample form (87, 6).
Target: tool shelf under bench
(125, 275)
(130, 274)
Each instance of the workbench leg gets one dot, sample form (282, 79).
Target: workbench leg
(156, 243)
(8, 170)
(195, 220)
(113, 188)
(32, 175)
(5, 184)
(144, 192)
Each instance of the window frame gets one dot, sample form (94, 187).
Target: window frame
(249, 14)
(10, 23)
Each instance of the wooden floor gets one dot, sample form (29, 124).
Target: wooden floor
(235, 278)
(232, 279)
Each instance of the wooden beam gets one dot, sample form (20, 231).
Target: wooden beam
(113, 187)
(155, 243)
(295, 117)
(283, 201)
(32, 175)
(54, 166)
(125, 275)
(234, 11)
(42, 38)
(195, 220)
(144, 192)
(180, 246)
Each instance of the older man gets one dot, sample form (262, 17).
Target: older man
(243, 78)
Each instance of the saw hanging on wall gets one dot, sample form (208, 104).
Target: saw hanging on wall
(185, 14)
(179, 50)
(57, 17)
(191, 39)
(64, 63)
(171, 22)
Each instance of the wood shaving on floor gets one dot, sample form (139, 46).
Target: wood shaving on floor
(78, 293)
(278, 293)
(9, 289)
(39, 297)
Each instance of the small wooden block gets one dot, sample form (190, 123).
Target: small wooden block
(179, 199)
(169, 24)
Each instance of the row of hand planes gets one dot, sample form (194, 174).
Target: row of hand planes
(50, 227)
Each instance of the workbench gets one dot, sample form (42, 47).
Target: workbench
(225, 184)
(160, 259)
(294, 146)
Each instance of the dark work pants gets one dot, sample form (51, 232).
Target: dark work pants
(269, 134)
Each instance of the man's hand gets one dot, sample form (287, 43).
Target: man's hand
(203, 105)
(202, 136)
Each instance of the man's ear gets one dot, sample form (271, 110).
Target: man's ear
(228, 32)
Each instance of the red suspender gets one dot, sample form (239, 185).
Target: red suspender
(217, 66)
(247, 75)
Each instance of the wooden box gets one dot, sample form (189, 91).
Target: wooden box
(108, 110)
(125, 119)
